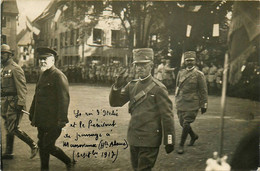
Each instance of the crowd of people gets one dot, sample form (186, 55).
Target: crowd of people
(106, 74)
(213, 76)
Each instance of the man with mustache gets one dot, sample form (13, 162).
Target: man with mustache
(150, 109)
(13, 101)
(190, 96)
(49, 108)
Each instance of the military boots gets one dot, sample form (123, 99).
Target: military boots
(8, 155)
(185, 132)
(24, 137)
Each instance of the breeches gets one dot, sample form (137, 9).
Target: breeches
(9, 113)
(187, 117)
(143, 158)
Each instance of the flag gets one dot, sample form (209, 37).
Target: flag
(195, 8)
(31, 27)
(243, 36)
(57, 15)
(65, 7)
(215, 30)
(182, 59)
(188, 30)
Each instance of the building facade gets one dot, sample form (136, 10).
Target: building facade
(25, 51)
(9, 14)
(81, 37)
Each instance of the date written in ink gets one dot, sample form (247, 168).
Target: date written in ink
(110, 154)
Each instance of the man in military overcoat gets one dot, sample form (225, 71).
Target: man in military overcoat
(49, 108)
(150, 109)
(190, 96)
(13, 101)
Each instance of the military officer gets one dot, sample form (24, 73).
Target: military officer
(13, 95)
(49, 108)
(190, 96)
(150, 109)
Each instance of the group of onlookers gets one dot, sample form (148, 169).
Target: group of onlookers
(93, 73)
(105, 74)
(165, 73)
(213, 76)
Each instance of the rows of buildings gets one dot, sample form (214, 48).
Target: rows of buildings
(80, 40)
(9, 17)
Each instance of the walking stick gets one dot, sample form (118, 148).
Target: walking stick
(27, 113)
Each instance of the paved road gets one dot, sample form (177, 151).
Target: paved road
(96, 134)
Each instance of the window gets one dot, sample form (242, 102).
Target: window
(61, 39)
(3, 39)
(77, 37)
(24, 57)
(66, 38)
(55, 43)
(115, 38)
(55, 25)
(97, 36)
(153, 40)
(72, 37)
(3, 21)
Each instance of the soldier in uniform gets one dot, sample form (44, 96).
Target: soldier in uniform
(13, 100)
(190, 96)
(49, 108)
(212, 79)
(219, 74)
(150, 109)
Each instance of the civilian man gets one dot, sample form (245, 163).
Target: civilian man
(49, 108)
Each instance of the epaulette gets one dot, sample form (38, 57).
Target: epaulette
(159, 83)
(200, 72)
(14, 64)
(134, 80)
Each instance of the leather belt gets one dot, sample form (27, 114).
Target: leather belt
(3, 94)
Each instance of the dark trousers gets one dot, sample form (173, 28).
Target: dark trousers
(143, 158)
(47, 138)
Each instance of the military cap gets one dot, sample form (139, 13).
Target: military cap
(5, 48)
(190, 55)
(143, 55)
(44, 52)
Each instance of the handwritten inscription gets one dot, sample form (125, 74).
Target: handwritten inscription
(98, 112)
(113, 154)
(91, 135)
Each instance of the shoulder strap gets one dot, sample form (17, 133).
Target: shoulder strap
(143, 92)
(141, 95)
(185, 78)
(180, 83)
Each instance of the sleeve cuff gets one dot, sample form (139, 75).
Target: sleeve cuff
(21, 103)
(205, 105)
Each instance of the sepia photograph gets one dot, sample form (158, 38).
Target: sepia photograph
(130, 85)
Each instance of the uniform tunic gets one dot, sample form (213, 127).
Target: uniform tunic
(151, 118)
(191, 92)
(13, 93)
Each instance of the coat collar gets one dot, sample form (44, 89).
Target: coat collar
(50, 70)
(10, 61)
(146, 79)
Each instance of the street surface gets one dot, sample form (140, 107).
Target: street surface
(96, 134)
